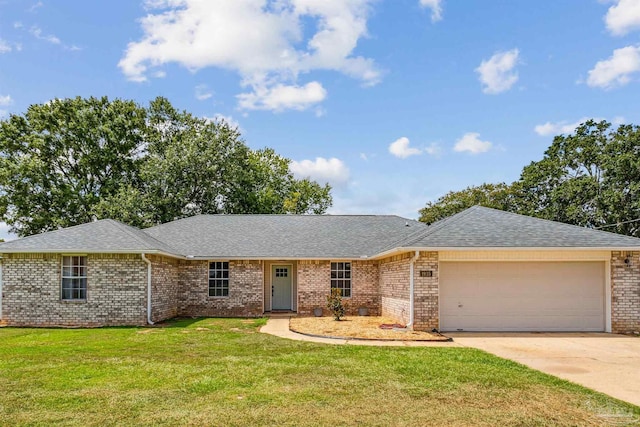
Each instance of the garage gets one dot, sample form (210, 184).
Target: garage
(522, 296)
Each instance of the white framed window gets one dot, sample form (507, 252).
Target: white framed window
(74, 277)
(219, 279)
(341, 278)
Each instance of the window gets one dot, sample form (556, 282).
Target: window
(219, 279)
(282, 272)
(341, 277)
(74, 277)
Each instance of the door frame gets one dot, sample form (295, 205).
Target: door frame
(271, 276)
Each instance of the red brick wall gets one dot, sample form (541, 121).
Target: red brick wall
(116, 291)
(245, 290)
(314, 284)
(395, 285)
(625, 292)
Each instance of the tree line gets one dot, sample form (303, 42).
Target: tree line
(72, 161)
(589, 178)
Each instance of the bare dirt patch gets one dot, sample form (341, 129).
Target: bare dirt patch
(358, 327)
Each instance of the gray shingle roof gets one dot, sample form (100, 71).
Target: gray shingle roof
(319, 236)
(105, 235)
(285, 236)
(480, 227)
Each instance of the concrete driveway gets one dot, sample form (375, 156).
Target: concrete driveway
(604, 362)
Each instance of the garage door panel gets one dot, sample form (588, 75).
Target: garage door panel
(522, 296)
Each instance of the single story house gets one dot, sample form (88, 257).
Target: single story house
(479, 270)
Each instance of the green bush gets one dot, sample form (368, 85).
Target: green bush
(335, 304)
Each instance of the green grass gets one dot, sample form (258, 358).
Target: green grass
(223, 372)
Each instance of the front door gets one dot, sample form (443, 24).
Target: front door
(281, 287)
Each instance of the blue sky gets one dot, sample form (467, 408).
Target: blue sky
(394, 102)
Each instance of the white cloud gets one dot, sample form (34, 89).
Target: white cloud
(35, 7)
(49, 38)
(282, 97)
(565, 127)
(557, 128)
(203, 93)
(617, 70)
(5, 46)
(264, 41)
(4, 232)
(400, 148)
(5, 100)
(497, 74)
(228, 119)
(471, 143)
(436, 8)
(332, 170)
(623, 17)
(433, 149)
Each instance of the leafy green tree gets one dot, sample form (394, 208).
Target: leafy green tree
(497, 196)
(75, 160)
(61, 158)
(589, 178)
(197, 166)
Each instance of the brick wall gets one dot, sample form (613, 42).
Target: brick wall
(116, 291)
(394, 287)
(245, 290)
(314, 284)
(625, 292)
(165, 274)
(425, 296)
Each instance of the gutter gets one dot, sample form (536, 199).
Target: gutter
(144, 258)
(411, 288)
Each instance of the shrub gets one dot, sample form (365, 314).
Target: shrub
(335, 304)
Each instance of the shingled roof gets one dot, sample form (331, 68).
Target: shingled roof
(106, 236)
(480, 227)
(284, 236)
(320, 236)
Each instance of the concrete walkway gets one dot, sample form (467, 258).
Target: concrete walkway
(604, 362)
(279, 326)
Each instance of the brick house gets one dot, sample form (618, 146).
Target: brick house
(479, 270)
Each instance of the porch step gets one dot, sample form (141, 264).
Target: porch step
(280, 314)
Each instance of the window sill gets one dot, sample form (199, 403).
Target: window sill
(214, 297)
(73, 301)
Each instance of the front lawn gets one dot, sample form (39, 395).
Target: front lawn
(223, 372)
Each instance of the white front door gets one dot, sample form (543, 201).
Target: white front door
(281, 287)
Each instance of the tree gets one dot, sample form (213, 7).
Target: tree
(198, 166)
(76, 160)
(589, 178)
(61, 158)
(497, 196)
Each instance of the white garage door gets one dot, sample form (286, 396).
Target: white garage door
(522, 296)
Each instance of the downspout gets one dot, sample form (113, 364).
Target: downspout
(411, 287)
(144, 258)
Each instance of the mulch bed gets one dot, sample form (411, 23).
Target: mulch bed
(360, 327)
